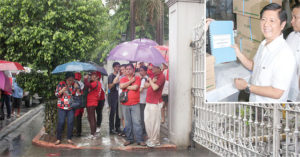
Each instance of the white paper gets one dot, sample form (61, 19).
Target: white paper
(221, 41)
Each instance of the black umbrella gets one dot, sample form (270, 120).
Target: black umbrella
(99, 68)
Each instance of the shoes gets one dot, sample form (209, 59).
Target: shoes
(142, 144)
(112, 132)
(91, 137)
(18, 115)
(78, 135)
(157, 144)
(151, 144)
(118, 131)
(70, 142)
(8, 117)
(127, 143)
(98, 129)
(57, 142)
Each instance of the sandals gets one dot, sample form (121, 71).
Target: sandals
(70, 142)
(57, 142)
(122, 134)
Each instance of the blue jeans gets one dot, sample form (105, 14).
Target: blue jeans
(62, 114)
(133, 123)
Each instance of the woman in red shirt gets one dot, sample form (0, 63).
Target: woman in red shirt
(94, 87)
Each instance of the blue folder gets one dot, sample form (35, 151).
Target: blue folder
(221, 39)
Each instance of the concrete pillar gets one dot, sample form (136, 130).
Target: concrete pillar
(184, 15)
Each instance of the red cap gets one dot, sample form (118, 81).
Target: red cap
(98, 74)
(94, 73)
(78, 76)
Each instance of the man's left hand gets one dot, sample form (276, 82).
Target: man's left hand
(240, 83)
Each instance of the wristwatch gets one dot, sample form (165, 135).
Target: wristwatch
(247, 89)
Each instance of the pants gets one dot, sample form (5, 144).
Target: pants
(114, 120)
(78, 119)
(62, 114)
(152, 121)
(133, 123)
(6, 101)
(99, 112)
(17, 102)
(92, 118)
(142, 117)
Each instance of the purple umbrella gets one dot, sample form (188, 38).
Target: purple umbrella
(134, 51)
(146, 41)
(5, 83)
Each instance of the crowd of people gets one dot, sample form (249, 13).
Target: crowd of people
(134, 97)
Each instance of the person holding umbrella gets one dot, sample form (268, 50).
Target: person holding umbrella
(64, 91)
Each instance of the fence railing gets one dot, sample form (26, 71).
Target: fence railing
(240, 129)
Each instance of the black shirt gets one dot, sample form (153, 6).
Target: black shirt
(114, 89)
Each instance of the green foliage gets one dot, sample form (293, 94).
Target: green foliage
(47, 33)
(40, 83)
(118, 24)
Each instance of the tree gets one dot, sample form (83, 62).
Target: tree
(147, 18)
(45, 33)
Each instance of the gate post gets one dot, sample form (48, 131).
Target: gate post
(184, 15)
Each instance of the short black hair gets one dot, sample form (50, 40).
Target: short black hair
(131, 65)
(144, 67)
(69, 74)
(297, 5)
(274, 6)
(115, 64)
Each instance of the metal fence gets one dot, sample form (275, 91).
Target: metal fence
(240, 129)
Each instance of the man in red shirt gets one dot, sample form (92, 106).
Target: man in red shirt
(153, 106)
(131, 108)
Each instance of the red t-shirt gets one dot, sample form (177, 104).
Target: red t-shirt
(154, 97)
(133, 95)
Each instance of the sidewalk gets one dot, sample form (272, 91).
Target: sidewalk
(23, 110)
(103, 141)
(8, 126)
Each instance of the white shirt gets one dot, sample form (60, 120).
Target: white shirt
(293, 41)
(274, 65)
(143, 93)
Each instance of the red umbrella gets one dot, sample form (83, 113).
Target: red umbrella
(164, 51)
(10, 66)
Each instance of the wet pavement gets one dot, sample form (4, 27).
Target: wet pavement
(103, 140)
(23, 110)
(22, 146)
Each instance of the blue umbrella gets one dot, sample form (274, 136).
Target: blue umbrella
(74, 67)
